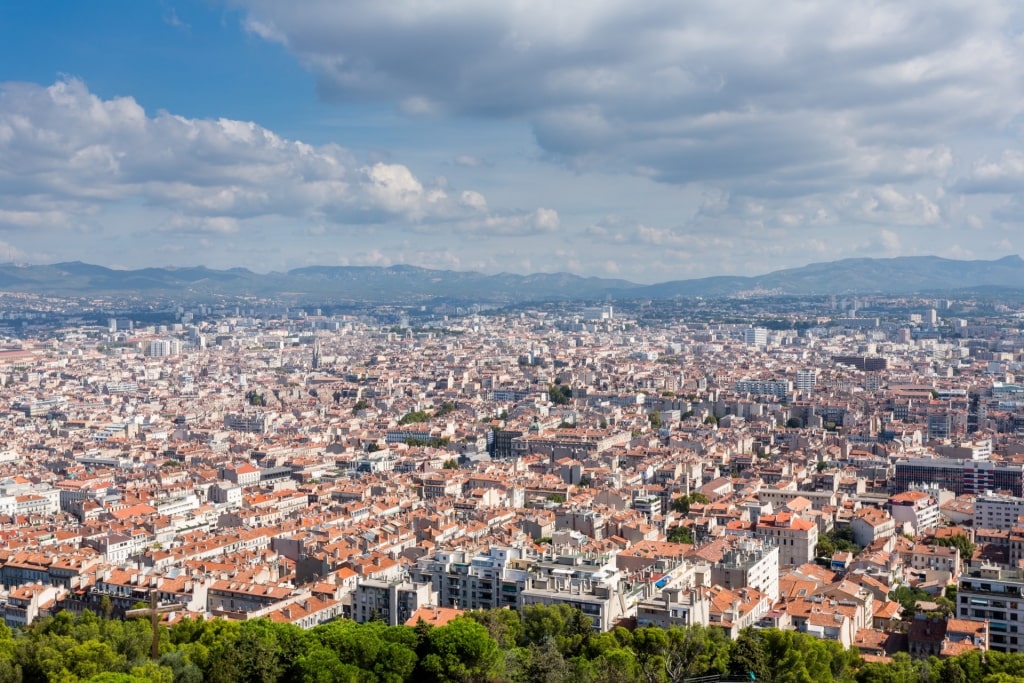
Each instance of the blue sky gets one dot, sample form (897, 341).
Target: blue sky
(649, 141)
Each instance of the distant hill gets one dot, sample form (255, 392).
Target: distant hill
(904, 275)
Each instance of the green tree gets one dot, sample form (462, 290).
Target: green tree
(569, 627)
(461, 651)
(183, 670)
(747, 657)
(681, 534)
(372, 652)
(91, 658)
(908, 597)
(952, 672)
(559, 395)
(796, 657)
(959, 541)
(682, 503)
(504, 625)
(544, 663)
(414, 417)
(249, 652)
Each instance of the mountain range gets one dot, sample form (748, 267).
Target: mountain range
(903, 275)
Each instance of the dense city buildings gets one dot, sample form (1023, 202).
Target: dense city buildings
(646, 465)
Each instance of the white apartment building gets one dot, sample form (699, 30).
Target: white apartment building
(805, 380)
(393, 602)
(752, 563)
(597, 595)
(917, 508)
(162, 348)
(474, 581)
(779, 388)
(755, 336)
(995, 511)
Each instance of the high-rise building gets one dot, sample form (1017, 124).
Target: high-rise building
(755, 336)
(806, 379)
(960, 476)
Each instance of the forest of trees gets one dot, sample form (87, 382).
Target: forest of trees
(543, 645)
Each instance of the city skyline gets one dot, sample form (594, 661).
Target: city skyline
(667, 141)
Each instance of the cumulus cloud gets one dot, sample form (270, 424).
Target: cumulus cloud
(1001, 176)
(537, 222)
(66, 152)
(781, 97)
(887, 205)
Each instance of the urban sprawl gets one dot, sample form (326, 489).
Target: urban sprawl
(851, 469)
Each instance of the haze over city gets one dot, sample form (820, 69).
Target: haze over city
(648, 141)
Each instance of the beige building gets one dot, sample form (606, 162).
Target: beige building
(870, 524)
(795, 537)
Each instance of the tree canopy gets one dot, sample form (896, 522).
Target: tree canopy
(545, 643)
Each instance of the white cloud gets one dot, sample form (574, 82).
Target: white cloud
(888, 205)
(1002, 176)
(790, 96)
(474, 200)
(890, 241)
(470, 161)
(63, 146)
(537, 222)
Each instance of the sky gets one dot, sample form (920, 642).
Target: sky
(649, 141)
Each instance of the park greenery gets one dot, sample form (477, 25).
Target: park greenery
(839, 539)
(959, 541)
(417, 416)
(544, 644)
(414, 417)
(681, 534)
(432, 442)
(559, 395)
(682, 503)
(446, 408)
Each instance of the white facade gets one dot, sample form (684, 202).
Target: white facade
(805, 380)
(993, 511)
(752, 563)
(755, 336)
